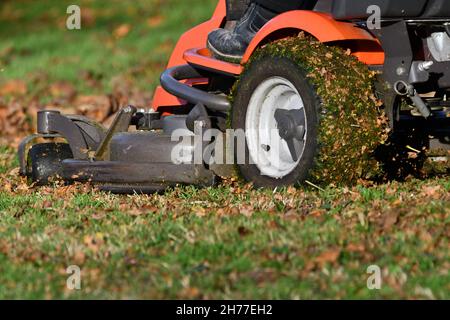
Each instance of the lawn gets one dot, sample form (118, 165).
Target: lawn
(126, 40)
(231, 241)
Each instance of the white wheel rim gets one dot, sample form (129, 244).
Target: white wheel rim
(267, 150)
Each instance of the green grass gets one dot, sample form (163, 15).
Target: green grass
(224, 242)
(34, 41)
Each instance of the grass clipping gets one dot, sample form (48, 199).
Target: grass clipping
(352, 124)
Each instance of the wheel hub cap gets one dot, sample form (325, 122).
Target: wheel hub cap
(276, 127)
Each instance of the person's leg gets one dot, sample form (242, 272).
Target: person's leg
(231, 44)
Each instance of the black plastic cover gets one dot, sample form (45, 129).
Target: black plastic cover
(357, 9)
(437, 8)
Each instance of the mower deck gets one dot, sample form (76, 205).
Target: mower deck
(135, 177)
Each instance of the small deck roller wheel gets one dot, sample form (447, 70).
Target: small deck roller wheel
(45, 159)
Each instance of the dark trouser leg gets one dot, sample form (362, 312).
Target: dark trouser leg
(281, 6)
(230, 45)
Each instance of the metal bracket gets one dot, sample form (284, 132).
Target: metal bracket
(398, 52)
(121, 123)
(52, 122)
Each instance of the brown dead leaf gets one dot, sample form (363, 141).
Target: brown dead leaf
(79, 257)
(389, 220)
(262, 276)
(243, 231)
(247, 211)
(425, 236)
(432, 192)
(412, 155)
(91, 78)
(99, 216)
(7, 187)
(292, 215)
(13, 87)
(317, 213)
(155, 21)
(199, 211)
(353, 247)
(234, 211)
(136, 212)
(97, 107)
(95, 242)
(329, 256)
(273, 224)
(122, 31)
(221, 212)
(62, 90)
(190, 293)
(47, 204)
(88, 16)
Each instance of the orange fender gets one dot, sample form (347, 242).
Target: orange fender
(324, 28)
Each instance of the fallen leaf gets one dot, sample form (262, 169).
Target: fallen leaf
(79, 257)
(190, 293)
(13, 87)
(122, 31)
(88, 16)
(352, 247)
(62, 90)
(389, 220)
(199, 211)
(155, 21)
(329, 256)
(432, 192)
(243, 231)
(96, 107)
(247, 211)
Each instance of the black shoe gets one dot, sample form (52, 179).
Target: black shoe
(230, 45)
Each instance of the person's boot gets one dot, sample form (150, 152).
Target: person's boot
(230, 45)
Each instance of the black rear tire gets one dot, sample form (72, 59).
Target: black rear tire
(45, 161)
(332, 140)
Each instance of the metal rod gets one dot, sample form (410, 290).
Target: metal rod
(170, 81)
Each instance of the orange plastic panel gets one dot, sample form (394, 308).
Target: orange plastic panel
(197, 36)
(370, 58)
(194, 38)
(320, 25)
(162, 98)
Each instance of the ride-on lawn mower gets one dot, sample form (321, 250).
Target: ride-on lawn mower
(306, 96)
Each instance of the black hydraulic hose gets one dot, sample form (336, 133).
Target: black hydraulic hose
(170, 82)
